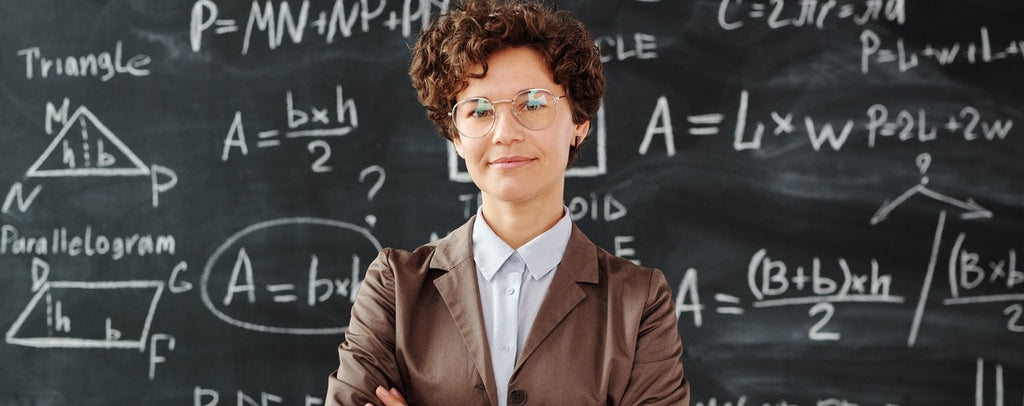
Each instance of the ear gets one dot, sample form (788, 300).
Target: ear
(579, 133)
(457, 143)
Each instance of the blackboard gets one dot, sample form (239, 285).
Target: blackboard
(192, 190)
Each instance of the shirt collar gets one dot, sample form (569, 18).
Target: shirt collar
(542, 254)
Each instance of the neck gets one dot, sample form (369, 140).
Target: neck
(518, 223)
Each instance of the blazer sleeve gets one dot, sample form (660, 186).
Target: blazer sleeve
(367, 355)
(657, 375)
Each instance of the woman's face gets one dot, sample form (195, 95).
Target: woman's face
(512, 163)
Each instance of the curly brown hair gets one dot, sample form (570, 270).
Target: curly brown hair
(469, 33)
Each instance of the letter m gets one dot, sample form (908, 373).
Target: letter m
(55, 115)
(264, 21)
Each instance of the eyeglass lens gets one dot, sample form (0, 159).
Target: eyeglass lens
(534, 109)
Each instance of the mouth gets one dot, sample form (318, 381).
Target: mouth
(511, 162)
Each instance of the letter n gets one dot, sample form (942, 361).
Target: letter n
(16, 194)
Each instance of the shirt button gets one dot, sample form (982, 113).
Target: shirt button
(504, 347)
(517, 397)
(509, 291)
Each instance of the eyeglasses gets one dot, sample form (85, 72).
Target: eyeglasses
(533, 108)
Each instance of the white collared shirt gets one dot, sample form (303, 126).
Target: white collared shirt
(513, 283)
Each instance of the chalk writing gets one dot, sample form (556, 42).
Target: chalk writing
(661, 122)
(211, 397)
(315, 122)
(606, 208)
(970, 275)
(906, 58)
(909, 125)
(103, 65)
(688, 298)
(73, 243)
(620, 47)
(622, 246)
(596, 207)
(102, 154)
(16, 195)
(998, 384)
(371, 220)
(774, 282)
(234, 285)
(337, 22)
(155, 354)
(733, 14)
(76, 158)
(770, 280)
(243, 281)
(970, 208)
(751, 160)
(971, 211)
(99, 316)
(914, 125)
(744, 401)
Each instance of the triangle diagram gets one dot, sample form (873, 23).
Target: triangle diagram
(86, 147)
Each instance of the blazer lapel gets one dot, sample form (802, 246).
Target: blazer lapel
(579, 265)
(458, 288)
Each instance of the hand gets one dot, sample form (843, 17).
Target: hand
(390, 398)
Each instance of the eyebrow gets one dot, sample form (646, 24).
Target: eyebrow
(526, 89)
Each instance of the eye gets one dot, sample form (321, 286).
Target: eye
(483, 109)
(535, 100)
(531, 106)
(481, 113)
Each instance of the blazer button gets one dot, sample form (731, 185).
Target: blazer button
(517, 397)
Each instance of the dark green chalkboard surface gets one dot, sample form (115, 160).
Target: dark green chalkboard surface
(192, 191)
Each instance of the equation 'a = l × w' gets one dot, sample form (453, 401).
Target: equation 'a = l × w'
(705, 124)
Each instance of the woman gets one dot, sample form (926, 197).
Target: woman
(516, 306)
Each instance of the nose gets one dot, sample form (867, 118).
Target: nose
(506, 129)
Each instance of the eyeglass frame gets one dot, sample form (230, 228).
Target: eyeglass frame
(494, 120)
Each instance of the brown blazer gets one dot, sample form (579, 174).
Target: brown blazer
(606, 333)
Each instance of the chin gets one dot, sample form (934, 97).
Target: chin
(511, 191)
(511, 196)
(516, 189)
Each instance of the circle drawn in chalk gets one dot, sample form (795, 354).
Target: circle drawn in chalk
(291, 228)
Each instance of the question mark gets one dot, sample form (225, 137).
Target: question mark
(371, 219)
(923, 161)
